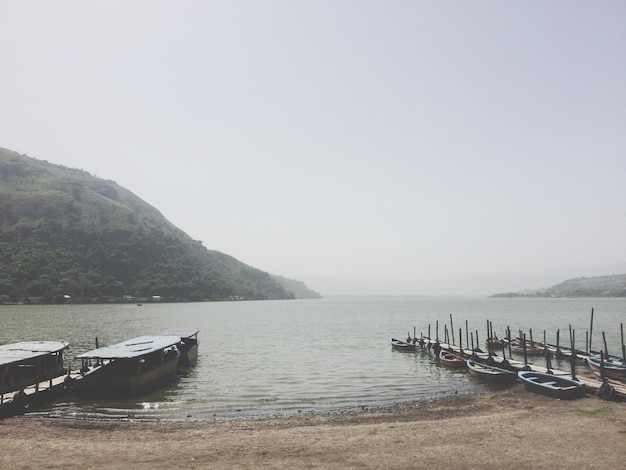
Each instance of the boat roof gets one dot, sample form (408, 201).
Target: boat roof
(182, 331)
(17, 352)
(130, 348)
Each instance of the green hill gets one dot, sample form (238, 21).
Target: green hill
(598, 286)
(64, 232)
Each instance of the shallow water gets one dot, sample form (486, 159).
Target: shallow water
(284, 357)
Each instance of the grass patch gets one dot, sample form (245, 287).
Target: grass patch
(595, 411)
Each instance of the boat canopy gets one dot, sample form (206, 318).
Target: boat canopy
(18, 352)
(182, 331)
(131, 348)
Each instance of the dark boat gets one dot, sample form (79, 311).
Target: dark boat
(452, 359)
(402, 345)
(188, 345)
(28, 363)
(129, 368)
(552, 385)
(491, 373)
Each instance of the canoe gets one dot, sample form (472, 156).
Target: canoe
(491, 373)
(127, 369)
(452, 359)
(400, 345)
(552, 385)
(188, 345)
(612, 370)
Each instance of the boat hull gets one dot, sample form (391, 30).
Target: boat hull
(124, 378)
(400, 345)
(28, 363)
(552, 386)
(490, 373)
(612, 371)
(452, 360)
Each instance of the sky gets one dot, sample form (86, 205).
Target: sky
(363, 147)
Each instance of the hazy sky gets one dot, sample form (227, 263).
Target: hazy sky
(403, 141)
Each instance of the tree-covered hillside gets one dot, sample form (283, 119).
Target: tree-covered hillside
(599, 286)
(64, 232)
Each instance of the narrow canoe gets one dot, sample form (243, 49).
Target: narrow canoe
(491, 373)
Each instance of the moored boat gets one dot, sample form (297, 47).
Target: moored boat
(188, 345)
(452, 359)
(552, 385)
(28, 363)
(612, 370)
(490, 372)
(128, 368)
(532, 347)
(402, 345)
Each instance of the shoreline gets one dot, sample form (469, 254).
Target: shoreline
(511, 427)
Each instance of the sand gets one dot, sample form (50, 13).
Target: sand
(510, 428)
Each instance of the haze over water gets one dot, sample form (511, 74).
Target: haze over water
(284, 357)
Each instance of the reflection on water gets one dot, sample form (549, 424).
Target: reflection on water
(277, 358)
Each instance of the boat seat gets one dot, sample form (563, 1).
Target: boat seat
(549, 384)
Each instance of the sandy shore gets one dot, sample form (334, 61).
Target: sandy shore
(512, 428)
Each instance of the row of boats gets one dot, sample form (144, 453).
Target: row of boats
(125, 369)
(485, 367)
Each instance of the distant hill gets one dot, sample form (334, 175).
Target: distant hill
(65, 234)
(299, 288)
(599, 286)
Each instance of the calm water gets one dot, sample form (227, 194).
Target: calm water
(284, 357)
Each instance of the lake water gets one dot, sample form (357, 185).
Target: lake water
(274, 358)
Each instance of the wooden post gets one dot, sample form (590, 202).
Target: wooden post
(606, 349)
(621, 329)
(508, 332)
(437, 331)
(466, 333)
(590, 333)
(524, 349)
(96, 342)
(452, 329)
(472, 336)
(573, 356)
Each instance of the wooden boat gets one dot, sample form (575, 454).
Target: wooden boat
(188, 345)
(532, 348)
(452, 359)
(491, 373)
(28, 363)
(128, 368)
(612, 370)
(552, 385)
(402, 345)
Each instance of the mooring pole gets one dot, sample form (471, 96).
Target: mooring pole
(573, 356)
(524, 349)
(621, 329)
(590, 333)
(452, 329)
